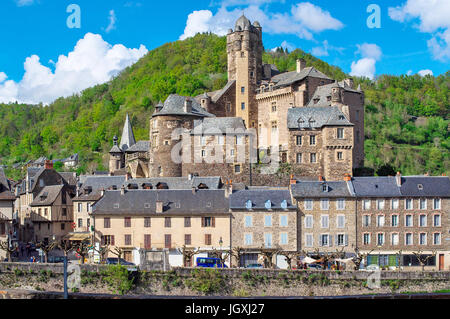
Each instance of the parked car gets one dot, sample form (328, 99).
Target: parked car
(55, 259)
(115, 261)
(315, 266)
(254, 266)
(210, 263)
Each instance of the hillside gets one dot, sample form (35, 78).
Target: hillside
(406, 117)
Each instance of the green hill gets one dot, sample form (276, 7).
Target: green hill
(406, 117)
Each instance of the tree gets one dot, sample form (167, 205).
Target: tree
(117, 251)
(268, 254)
(4, 245)
(289, 256)
(423, 259)
(187, 253)
(215, 253)
(359, 257)
(46, 248)
(103, 252)
(237, 252)
(82, 248)
(66, 246)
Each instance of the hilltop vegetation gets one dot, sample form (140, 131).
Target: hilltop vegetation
(406, 116)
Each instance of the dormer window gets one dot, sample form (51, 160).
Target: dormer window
(249, 204)
(325, 188)
(420, 187)
(341, 117)
(268, 204)
(159, 207)
(284, 204)
(316, 100)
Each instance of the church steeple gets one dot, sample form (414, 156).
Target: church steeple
(127, 139)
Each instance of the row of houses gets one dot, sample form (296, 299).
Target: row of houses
(382, 216)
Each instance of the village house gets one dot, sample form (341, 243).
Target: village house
(8, 220)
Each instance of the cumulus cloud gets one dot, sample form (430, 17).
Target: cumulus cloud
(93, 61)
(324, 49)
(285, 45)
(303, 20)
(433, 16)
(112, 21)
(425, 72)
(22, 3)
(366, 66)
(3, 77)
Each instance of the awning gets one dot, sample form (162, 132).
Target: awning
(77, 236)
(309, 260)
(344, 260)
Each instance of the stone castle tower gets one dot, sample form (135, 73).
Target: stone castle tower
(245, 49)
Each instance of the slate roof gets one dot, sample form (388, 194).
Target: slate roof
(115, 149)
(127, 139)
(310, 189)
(221, 92)
(323, 93)
(238, 200)
(175, 202)
(174, 105)
(212, 182)
(430, 186)
(384, 186)
(218, 125)
(288, 78)
(47, 195)
(40, 160)
(5, 187)
(69, 177)
(91, 186)
(316, 117)
(141, 146)
(71, 158)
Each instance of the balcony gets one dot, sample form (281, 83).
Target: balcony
(138, 155)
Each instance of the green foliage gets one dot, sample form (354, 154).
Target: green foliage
(119, 279)
(206, 281)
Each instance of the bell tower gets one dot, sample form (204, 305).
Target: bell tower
(245, 49)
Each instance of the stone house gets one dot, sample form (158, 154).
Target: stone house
(162, 220)
(402, 215)
(327, 217)
(8, 219)
(263, 218)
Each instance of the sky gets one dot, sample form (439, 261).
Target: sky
(53, 48)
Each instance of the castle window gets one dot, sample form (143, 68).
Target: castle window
(328, 98)
(313, 158)
(357, 136)
(316, 101)
(312, 140)
(243, 89)
(299, 158)
(340, 133)
(237, 169)
(228, 107)
(242, 106)
(239, 140)
(340, 156)
(242, 54)
(274, 106)
(203, 153)
(299, 140)
(252, 74)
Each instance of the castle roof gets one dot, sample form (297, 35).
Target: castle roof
(315, 117)
(174, 105)
(224, 90)
(127, 139)
(314, 189)
(322, 95)
(218, 126)
(47, 195)
(140, 146)
(288, 78)
(115, 149)
(211, 182)
(242, 24)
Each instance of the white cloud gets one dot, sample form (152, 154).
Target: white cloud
(366, 66)
(425, 72)
(3, 77)
(22, 3)
(301, 21)
(434, 19)
(285, 45)
(409, 72)
(324, 49)
(112, 21)
(93, 61)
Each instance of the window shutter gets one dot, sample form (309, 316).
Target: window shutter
(203, 221)
(346, 240)
(330, 241)
(112, 240)
(336, 239)
(213, 221)
(320, 240)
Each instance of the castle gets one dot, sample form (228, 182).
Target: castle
(312, 123)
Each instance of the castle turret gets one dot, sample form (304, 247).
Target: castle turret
(116, 158)
(127, 139)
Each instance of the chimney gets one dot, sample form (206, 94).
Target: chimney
(48, 164)
(321, 179)
(187, 105)
(398, 179)
(301, 64)
(228, 188)
(347, 177)
(159, 207)
(122, 190)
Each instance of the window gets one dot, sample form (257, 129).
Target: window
(88, 222)
(408, 203)
(341, 221)
(309, 240)
(313, 157)
(167, 222)
(208, 222)
(283, 221)
(237, 169)
(366, 220)
(203, 140)
(208, 239)
(248, 221)
(248, 239)
(394, 220)
(220, 139)
(187, 222)
(408, 221)
(299, 158)
(340, 156)
(147, 222)
(308, 204)
(239, 140)
(274, 106)
(63, 226)
(408, 239)
(242, 106)
(340, 204)
(203, 153)
(366, 204)
(168, 241)
(324, 240)
(342, 240)
(312, 140)
(394, 204)
(394, 239)
(340, 133)
(437, 203)
(80, 222)
(268, 240)
(437, 238)
(108, 240)
(308, 221)
(127, 222)
(423, 220)
(107, 222)
(366, 239)
(380, 220)
(422, 239)
(243, 89)
(324, 204)
(380, 204)
(268, 221)
(299, 140)
(324, 221)
(147, 241)
(380, 239)
(437, 220)
(80, 207)
(64, 212)
(232, 152)
(127, 240)
(283, 238)
(422, 204)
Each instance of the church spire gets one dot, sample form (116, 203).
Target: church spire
(127, 139)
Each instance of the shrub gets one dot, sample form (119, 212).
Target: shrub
(207, 281)
(118, 279)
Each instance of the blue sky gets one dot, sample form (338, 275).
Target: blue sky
(414, 37)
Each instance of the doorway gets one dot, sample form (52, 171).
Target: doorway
(441, 262)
